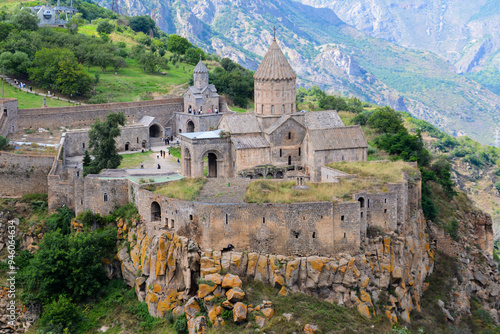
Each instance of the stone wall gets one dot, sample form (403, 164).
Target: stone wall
(8, 116)
(298, 229)
(85, 115)
(23, 174)
(205, 122)
(77, 141)
(330, 175)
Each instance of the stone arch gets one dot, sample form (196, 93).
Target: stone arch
(215, 163)
(155, 130)
(361, 201)
(190, 126)
(279, 174)
(259, 176)
(155, 211)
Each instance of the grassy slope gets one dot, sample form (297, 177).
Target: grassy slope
(27, 100)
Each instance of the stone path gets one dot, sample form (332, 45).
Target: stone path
(218, 191)
(11, 82)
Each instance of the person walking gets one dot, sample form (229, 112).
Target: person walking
(142, 165)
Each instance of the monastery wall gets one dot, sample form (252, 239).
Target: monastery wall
(205, 122)
(85, 115)
(8, 116)
(24, 174)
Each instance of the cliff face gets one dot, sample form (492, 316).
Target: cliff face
(164, 269)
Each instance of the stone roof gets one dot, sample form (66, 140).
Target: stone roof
(337, 138)
(323, 120)
(274, 66)
(240, 123)
(200, 68)
(147, 120)
(278, 123)
(249, 142)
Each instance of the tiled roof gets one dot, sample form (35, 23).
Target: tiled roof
(249, 142)
(200, 68)
(322, 120)
(337, 138)
(240, 123)
(274, 66)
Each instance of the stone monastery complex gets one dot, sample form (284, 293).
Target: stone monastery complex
(350, 250)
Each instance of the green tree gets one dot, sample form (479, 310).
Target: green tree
(45, 67)
(17, 63)
(75, 22)
(5, 29)
(151, 62)
(118, 62)
(105, 27)
(102, 136)
(24, 19)
(142, 38)
(72, 78)
(3, 143)
(386, 120)
(102, 58)
(178, 44)
(332, 103)
(193, 55)
(142, 23)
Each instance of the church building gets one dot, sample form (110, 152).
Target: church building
(295, 144)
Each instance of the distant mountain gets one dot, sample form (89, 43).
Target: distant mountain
(464, 32)
(327, 52)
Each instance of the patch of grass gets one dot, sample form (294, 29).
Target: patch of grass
(27, 100)
(185, 189)
(175, 151)
(264, 191)
(387, 171)
(134, 160)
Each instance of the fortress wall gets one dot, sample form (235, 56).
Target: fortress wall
(8, 116)
(104, 195)
(85, 115)
(380, 210)
(24, 174)
(292, 229)
(78, 141)
(321, 158)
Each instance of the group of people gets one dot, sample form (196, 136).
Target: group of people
(167, 140)
(162, 154)
(200, 111)
(21, 85)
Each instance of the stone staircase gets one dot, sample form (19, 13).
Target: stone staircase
(155, 141)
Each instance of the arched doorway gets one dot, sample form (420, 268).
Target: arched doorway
(279, 174)
(127, 146)
(361, 201)
(155, 211)
(190, 126)
(144, 143)
(187, 162)
(212, 165)
(155, 131)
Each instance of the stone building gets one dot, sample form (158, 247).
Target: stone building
(274, 134)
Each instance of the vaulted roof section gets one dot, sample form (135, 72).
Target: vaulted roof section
(337, 138)
(240, 123)
(323, 120)
(274, 66)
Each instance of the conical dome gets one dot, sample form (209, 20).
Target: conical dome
(274, 66)
(200, 68)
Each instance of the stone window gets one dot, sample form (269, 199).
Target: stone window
(283, 109)
(227, 219)
(299, 151)
(81, 201)
(281, 152)
(190, 217)
(368, 203)
(77, 173)
(361, 201)
(83, 145)
(105, 197)
(342, 158)
(289, 135)
(272, 109)
(314, 235)
(172, 223)
(262, 109)
(137, 140)
(5, 112)
(263, 220)
(385, 200)
(342, 218)
(385, 210)
(344, 235)
(361, 214)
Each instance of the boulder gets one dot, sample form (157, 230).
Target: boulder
(239, 312)
(197, 325)
(205, 289)
(311, 329)
(231, 281)
(268, 312)
(215, 278)
(192, 307)
(260, 321)
(235, 295)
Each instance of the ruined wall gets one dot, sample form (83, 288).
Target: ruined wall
(24, 174)
(8, 116)
(85, 115)
(77, 141)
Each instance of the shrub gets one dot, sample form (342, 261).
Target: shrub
(60, 316)
(180, 324)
